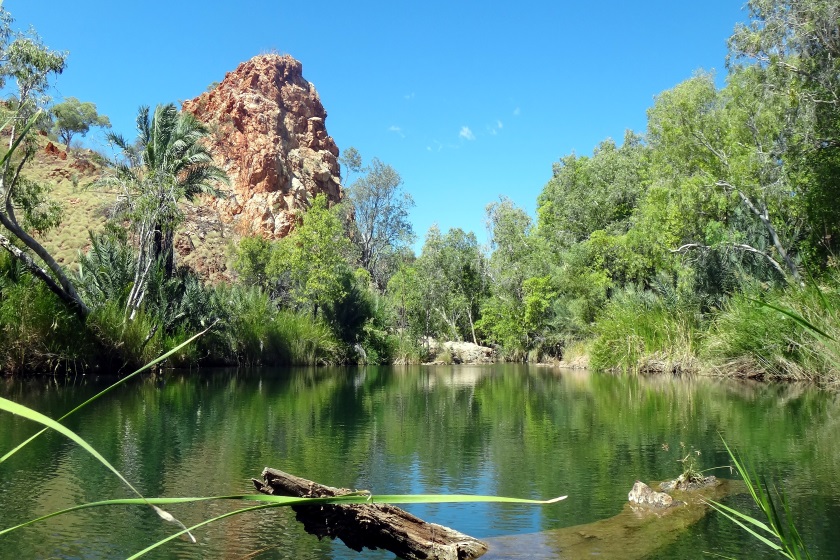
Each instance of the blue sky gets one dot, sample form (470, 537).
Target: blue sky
(467, 100)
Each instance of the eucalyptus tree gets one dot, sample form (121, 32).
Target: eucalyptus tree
(168, 162)
(312, 261)
(795, 47)
(380, 209)
(517, 255)
(25, 206)
(600, 192)
(76, 117)
(715, 149)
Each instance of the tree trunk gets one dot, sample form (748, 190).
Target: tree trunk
(163, 248)
(370, 525)
(764, 218)
(64, 289)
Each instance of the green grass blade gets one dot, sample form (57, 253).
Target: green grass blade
(28, 413)
(355, 498)
(749, 519)
(791, 543)
(108, 389)
(21, 135)
(796, 317)
(749, 530)
(197, 526)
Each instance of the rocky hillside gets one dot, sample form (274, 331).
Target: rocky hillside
(269, 134)
(70, 175)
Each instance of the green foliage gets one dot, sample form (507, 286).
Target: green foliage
(168, 162)
(598, 193)
(517, 255)
(784, 538)
(440, 294)
(107, 270)
(650, 331)
(254, 332)
(251, 260)
(37, 331)
(40, 213)
(75, 117)
(748, 337)
(313, 258)
(380, 210)
(793, 46)
(30, 64)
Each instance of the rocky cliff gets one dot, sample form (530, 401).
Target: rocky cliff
(268, 133)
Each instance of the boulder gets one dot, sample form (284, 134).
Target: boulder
(642, 494)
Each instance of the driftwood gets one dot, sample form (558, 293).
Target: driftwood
(370, 525)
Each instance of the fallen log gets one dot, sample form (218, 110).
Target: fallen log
(370, 525)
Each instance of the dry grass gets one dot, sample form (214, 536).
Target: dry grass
(201, 241)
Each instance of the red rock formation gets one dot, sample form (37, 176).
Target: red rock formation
(52, 150)
(268, 134)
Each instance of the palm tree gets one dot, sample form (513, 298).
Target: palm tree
(168, 162)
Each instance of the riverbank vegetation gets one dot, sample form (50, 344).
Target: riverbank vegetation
(671, 251)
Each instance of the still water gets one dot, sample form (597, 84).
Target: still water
(505, 429)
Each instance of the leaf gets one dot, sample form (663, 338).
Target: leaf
(796, 317)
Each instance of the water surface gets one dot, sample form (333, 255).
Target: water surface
(504, 429)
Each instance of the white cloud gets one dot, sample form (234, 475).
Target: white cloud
(516, 112)
(499, 125)
(397, 130)
(466, 133)
(408, 96)
(495, 128)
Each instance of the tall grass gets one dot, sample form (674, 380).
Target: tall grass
(771, 334)
(645, 331)
(255, 332)
(37, 333)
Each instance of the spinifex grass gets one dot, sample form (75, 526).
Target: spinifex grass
(266, 501)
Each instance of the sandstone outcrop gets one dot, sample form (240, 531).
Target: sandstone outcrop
(642, 494)
(268, 134)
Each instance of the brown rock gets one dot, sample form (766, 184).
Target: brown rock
(52, 150)
(83, 166)
(268, 134)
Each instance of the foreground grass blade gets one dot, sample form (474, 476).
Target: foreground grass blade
(790, 543)
(737, 517)
(197, 526)
(109, 388)
(28, 413)
(355, 498)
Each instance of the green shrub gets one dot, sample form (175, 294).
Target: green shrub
(37, 332)
(252, 331)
